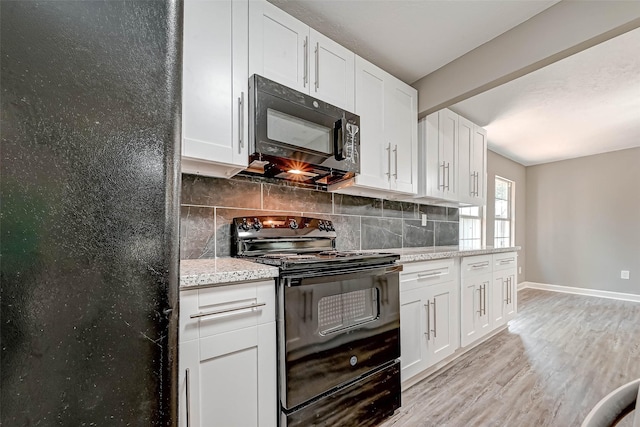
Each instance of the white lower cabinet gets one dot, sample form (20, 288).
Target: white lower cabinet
(428, 315)
(489, 294)
(504, 284)
(475, 311)
(228, 356)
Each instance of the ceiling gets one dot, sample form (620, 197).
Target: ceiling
(588, 103)
(585, 104)
(412, 38)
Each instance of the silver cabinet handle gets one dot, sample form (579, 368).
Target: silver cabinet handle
(188, 398)
(435, 313)
(389, 161)
(485, 298)
(472, 183)
(506, 261)
(426, 306)
(479, 265)
(229, 310)
(442, 184)
(317, 66)
(506, 283)
(477, 184)
(305, 79)
(395, 150)
(480, 300)
(427, 275)
(241, 123)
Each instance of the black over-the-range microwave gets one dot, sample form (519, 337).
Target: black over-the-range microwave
(297, 137)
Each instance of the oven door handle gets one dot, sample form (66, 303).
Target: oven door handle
(311, 277)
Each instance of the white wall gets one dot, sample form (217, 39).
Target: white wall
(583, 222)
(505, 168)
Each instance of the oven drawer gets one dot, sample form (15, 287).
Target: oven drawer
(504, 261)
(419, 274)
(476, 265)
(210, 311)
(366, 402)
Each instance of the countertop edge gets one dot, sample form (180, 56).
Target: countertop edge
(196, 273)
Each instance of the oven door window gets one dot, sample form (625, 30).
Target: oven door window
(298, 132)
(343, 311)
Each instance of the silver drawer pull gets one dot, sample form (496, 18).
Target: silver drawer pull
(427, 275)
(506, 261)
(479, 265)
(228, 310)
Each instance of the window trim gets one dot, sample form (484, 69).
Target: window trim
(511, 213)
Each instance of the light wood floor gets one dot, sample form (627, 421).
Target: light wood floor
(558, 358)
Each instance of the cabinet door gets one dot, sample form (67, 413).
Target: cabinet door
(237, 379)
(215, 82)
(189, 384)
(466, 174)
(448, 153)
(332, 71)
(413, 327)
(478, 164)
(498, 300)
(511, 304)
(371, 107)
(402, 107)
(278, 46)
(475, 315)
(438, 154)
(444, 333)
(469, 313)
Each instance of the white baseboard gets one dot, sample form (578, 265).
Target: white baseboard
(580, 291)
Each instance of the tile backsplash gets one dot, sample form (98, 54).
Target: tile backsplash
(209, 204)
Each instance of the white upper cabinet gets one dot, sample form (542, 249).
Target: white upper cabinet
(472, 157)
(479, 165)
(403, 135)
(388, 110)
(286, 50)
(214, 87)
(453, 156)
(439, 155)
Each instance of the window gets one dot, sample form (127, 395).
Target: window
(470, 227)
(503, 230)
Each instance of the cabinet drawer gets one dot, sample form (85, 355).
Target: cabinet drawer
(504, 261)
(476, 265)
(210, 311)
(418, 274)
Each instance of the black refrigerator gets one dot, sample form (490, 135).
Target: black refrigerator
(89, 195)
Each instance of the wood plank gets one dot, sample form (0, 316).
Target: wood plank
(558, 358)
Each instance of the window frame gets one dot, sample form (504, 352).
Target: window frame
(473, 242)
(510, 219)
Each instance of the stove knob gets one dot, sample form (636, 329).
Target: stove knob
(245, 225)
(293, 224)
(330, 226)
(257, 225)
(321, 226)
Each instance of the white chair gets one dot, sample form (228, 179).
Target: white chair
(615, 405)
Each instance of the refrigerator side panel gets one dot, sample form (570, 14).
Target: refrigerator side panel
(90, 110)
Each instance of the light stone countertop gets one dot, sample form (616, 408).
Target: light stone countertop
(441, 252)
(213, 271)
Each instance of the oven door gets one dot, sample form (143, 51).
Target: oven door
(335, 328)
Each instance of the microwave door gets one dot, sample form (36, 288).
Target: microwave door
(293, 131)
